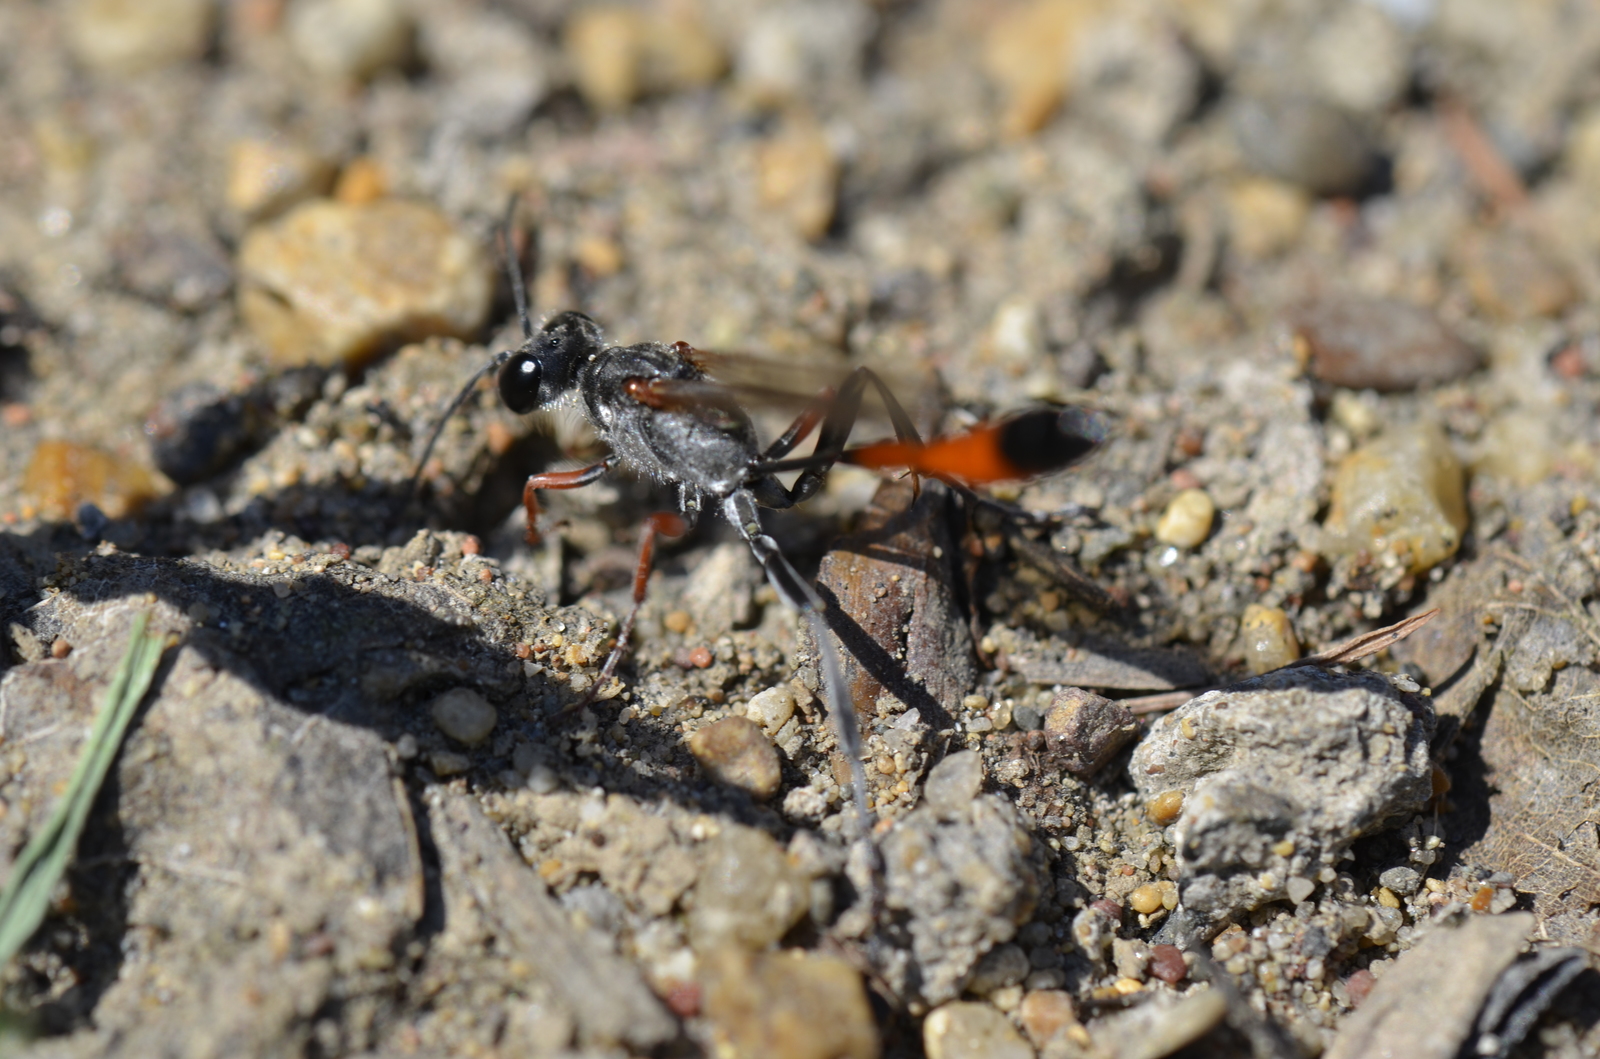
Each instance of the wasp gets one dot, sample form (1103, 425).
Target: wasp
(660, 413)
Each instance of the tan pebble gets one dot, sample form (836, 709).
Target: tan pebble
(1187, 520)
(1268, 638)
(1388, 898)
(363, 180)
(267, 176)
(599, 256)
(60, 648)
(968, 1030)
(621, 53)
(1284, 848)
(678, 621)
(463, 715)
(62, 475)
(1166, 806)
(1265, 216)
(787, 1005)
(734, 751)
(772, 708)
(1400, 499)
(349, 40)
(1046, 1014)
(1029, 54)
(330, 283)
(799, 177)
(1519, 445)
(1145, 899)
(131, 36)
(1169, 893)
(748, 894)
(1127, 986)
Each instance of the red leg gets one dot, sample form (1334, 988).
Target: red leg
(663, 523)
(555, 480)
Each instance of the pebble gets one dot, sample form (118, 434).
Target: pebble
(1380, 344)
(748, 894)
(494, 68)
(1046, 1014)
(953, 783)
(798, 177)
(1186, 522)
(621, 53)
(1299, 888)
(463, 715)
(1167, 964)
(61, 476)
(330, 283)
(967, 1030)
(1359, 58)
(772, 708)
(267, 176)
(1268, 638)
(1303, 140)
(349, 40)
(787, 1005)
(1400, 499)
(1265, 216)
(1029, 53)
(1517, 445)
(1512, 276)
(1084, 731)
(796, 52)
(1401, 880)
(1165, 807)
(120, 37)
(1145, 899)
(448, 763)
(1293, 765)
(734, 751)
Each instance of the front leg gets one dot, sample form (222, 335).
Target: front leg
(556, 480)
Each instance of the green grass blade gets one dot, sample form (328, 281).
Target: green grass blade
(26, 897)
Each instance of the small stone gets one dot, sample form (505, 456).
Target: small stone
(1302, 140)
(1400, 499)
(267, 176)
(448, 763)
(1265, 216)
(1187, 520)
(798, 53)
(1380, 344)
(1167, 964)
(771, 709)
(953, 783)
(60, 648)
(1299, 888)
(678, 621)
(1130, 957)
(1359, 986)
(736, 752)
(62, 476)
(120, 37)
(1267, 638)
(748, 893)
(1084, 731)
(1401, 880)
(787, 1005)
(330, 283)
(621, 53)
(1518, 445)
(1512, 276)
(966, 1030)
(1046, 1014)
(798, 177)
(1029, 53)
(1145, 899)
(1166, 807)
(463, 715)
(1001, 967)
(495, 69)
(349, 40)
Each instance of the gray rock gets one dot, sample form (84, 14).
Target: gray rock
(1401, 880)
(1303, 140)
(953, 783)
(1281, 774)
(463, 715)
(963, 883)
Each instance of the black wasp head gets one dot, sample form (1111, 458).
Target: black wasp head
(546, 366)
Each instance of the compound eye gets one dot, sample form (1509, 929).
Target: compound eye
(519, 383)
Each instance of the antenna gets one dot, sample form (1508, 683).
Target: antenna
(514, 271)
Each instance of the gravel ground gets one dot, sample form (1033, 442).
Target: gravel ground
(1328, 270)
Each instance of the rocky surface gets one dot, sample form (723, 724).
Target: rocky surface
(1325, 273)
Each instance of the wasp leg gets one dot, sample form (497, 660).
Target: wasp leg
(843, 409)
(556, 480)
(662, 523)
